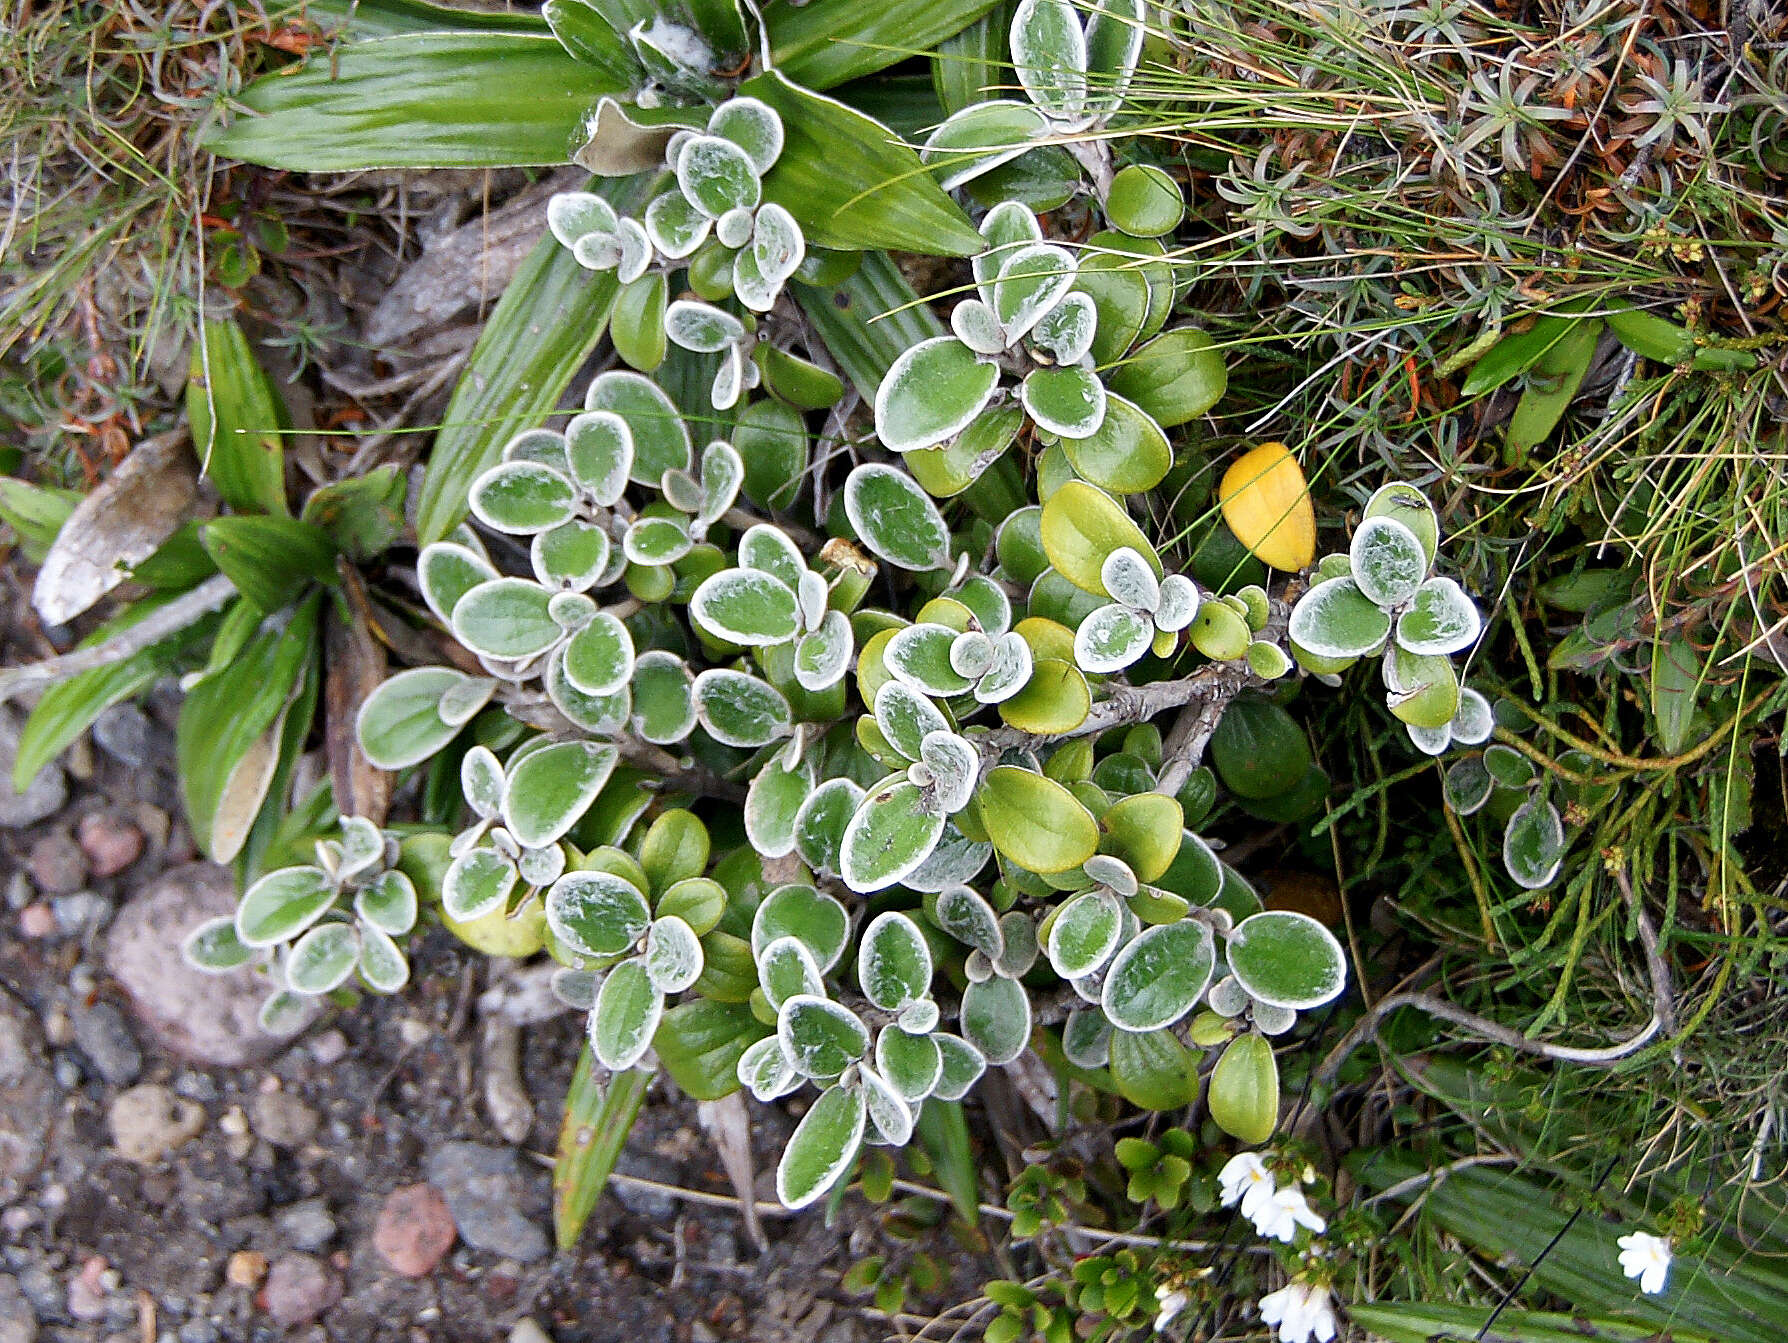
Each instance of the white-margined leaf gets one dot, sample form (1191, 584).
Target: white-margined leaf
(767, 548)
(283, 904)
(1468, 785)
(754, 126)
(673, 955)
(701, 326)
(551, 788)
(1533, 844)
(656, 540)
(764, 1072)
(1019, 949)
(821, 821)
(663, 698)
(540, 867)
(1387, 561)
(1286, 959)
(1068, 402)
(772, 804)
(1130, 580)
(919, 1017)
(890, 1117)
(965, 915)
(996, 1020)
(920, 656)
(733, 229)
(1086, 1039)
(597, 913)
(597, 251)
(1085, 933)
(1007, 227)
(930, 394)
(1032, 280)
(322, 959)
(571, 610)
(820, 1038)
(956, 859)
(1335, 619)
(1441, 620)
(954, 765)
(723, 472)
(599, 658)
(893, 962)
(963, 1066)
(823, 655)
(1178, 603)
(383, 964)
(477, 882)
(811, 916)
(1430, 740)
(893, 830)
(1049, 52)
(506, 618)
(777, 245)
(1112, 638)
(571, 557)
(911, 1063)
(636, 251)
(738, 709)
(979, 138)
(747, 607)
(1159, 976)
(542, 447)
(1114, 33)
(1113, 872)
(572, 214)
(823, 1147)
(598, 715)
(599, 449)
(717, 175)
(660, 438)
(786, 969)
(676, 226)
(1066, 331)
(626, 1016)
(446, 572)
(1009, 673)
(906, 717)
(1474, 721)
(974, 324)
(215, 947)
(388, 903)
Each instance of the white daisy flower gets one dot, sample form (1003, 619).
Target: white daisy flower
(1246, 1179)
(1300, 1311)
(1170, 1302)
(1280, 1214)
(1647, 1258)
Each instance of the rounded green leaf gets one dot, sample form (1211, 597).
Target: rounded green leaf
(1335, 619)
(1144, 200)
(1408, 505)
(522, 498)
(820, 1038)
(1422, 690)
(1468, 785)
(812, 917)
(1019, 545)
(786, 969)
(628, 1009)
(599, 659)
(930, 394)
(996, 1019)
(717, 175)
(1112, 638)
(673, 954)
(1219, 631)
(1153, 1070)
(821, 821)
(571, 557)
(660, 438)
(1287, 959)
(507, 618)
(1244, 1094)
(1144, 831)
(1159, 976)
(1174, 378)
(763, 1070)
(754, 126)
(215, 947)
(1049, 51)
(1387, 561)
(597, 913)
(599, 452)
(383, 964)
(400, 723)
(772, 804)
(1081, 525)
(550, 788)
(446, 572)
(1533, 845)
(893, 830)
(893, 962)
(822, 1148)
(1084, 933)
(747, 607)
(1068, 402)
(1055, 698)
(771, 439)
(388, 902)
(1034, 821)
(963, 1066)
(1441, 620)
(1258, 749)
(663, 698)
(281, 905)
(323, 958)
(1127, 452)
(979, 138)
(740, 710)
(920, 657)
(476, 883)
(912, 1064)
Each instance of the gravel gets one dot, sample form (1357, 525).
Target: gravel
(485, 1191)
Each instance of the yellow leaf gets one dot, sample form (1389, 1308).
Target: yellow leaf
(1267, 506)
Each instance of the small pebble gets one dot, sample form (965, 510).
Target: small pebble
(122, 732)
(149, 1121)
(527, 1331)
(282, 1119)
(413, 1032)
(485, 1190)
(307, 1225)
(110, 842)
(87, 1290)
(199, 1330)
(414, 1230)
(56, 863)
(83, 910)
(105, 1039)
(299, 1288)
(18, 1322)
(247, 1268)
(18, 890)
(37, 920)
(329, 1048)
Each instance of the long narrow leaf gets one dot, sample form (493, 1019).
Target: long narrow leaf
(869, 321)
(421, 100)
(823, 43)
(388, 18)
(597, 1121)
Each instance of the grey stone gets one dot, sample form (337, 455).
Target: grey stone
(198, 1330)
(27, 1098)
(307, 1225)
(282, 1119)
(485, 1192)
(18, 1322)
(43, 796)
(206, 1018)
(56, 863)
(123, 732)
(149, 1121)
(103, 1036)
(81, 912)
(299, 1288)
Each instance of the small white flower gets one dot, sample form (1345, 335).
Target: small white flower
(1300, 1311)
(1245, 1177)
(1280, 1214)
(1171, 1301)
(1647, 1258)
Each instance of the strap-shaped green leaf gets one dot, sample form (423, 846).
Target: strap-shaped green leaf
(238, 419)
